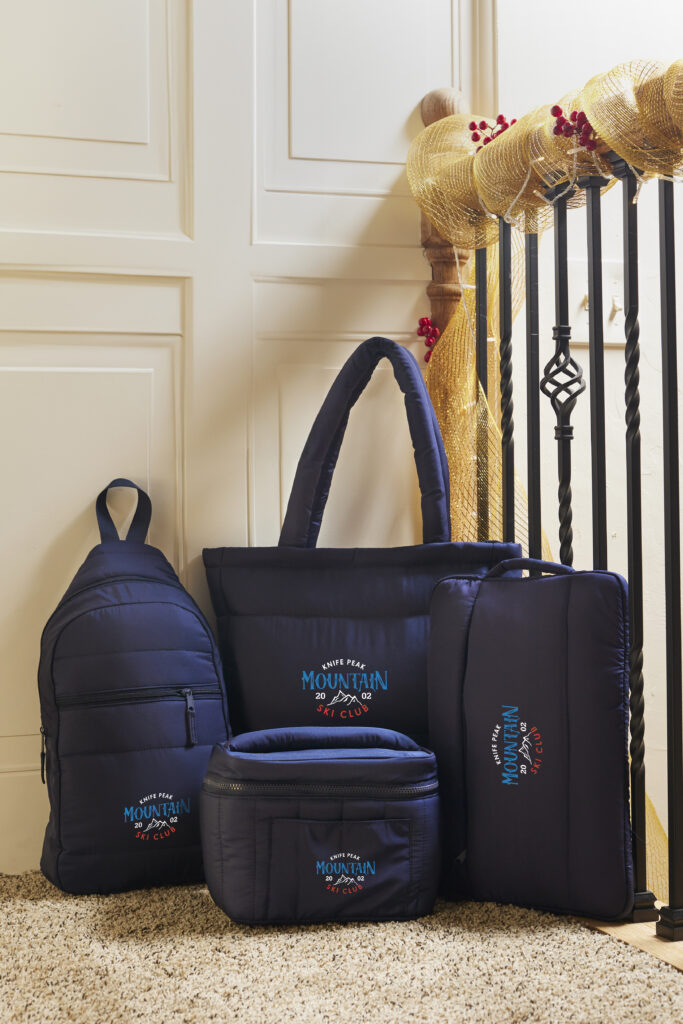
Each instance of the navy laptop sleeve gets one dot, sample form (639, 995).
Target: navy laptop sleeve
(528, 717)
(132, 701)
(313, 636)
(321, 824)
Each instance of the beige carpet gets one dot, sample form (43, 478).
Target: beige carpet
(169, 955)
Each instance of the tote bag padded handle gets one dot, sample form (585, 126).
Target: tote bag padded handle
(318, 460)
(140, 522)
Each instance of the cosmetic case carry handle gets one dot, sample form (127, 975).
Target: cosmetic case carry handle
(140, 522)
(537, 564)
(318, 460)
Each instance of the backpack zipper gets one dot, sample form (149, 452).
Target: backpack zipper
(397, 791)
(43, 754)
(190, 717)
(111, 698)
(132, 695)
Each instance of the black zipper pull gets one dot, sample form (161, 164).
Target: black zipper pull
(43, 754)
(190, 717)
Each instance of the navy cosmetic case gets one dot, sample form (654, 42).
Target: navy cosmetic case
(321, 824)
(528, 717)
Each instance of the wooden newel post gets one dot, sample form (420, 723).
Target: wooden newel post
(443, 292)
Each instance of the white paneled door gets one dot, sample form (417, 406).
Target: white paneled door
(203, 209)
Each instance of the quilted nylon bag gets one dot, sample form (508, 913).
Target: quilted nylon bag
(338, 636)
(326, 824)
(132, 701)
(528, 718)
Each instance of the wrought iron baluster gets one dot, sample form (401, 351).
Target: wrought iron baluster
(670, 924)
(644, 904)
(592, 185)
(533, 376)
(563, 379)
(481, 333)
(506, 405)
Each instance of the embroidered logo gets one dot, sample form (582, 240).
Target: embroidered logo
(343, 689)
(345, 874)
(516, 747)
(156, 816)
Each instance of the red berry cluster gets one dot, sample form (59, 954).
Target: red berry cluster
(430, 333)
(576, 124)
(494, 130)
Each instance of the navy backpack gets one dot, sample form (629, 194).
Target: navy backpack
(132, 701)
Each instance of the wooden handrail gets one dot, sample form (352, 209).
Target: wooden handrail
(443, 291)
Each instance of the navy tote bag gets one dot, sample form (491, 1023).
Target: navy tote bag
(339, 636)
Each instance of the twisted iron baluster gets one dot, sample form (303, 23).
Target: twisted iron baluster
(506, 405)
(532, 397)
(481, 321)
(632, 417)
(644, 901)
(644, 908)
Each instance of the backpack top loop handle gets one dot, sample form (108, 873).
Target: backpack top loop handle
(140, 522)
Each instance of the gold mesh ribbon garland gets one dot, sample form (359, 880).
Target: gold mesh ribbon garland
(636, 111)
(507, 177)
(442, 183)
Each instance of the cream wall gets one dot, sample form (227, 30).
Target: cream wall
(203, 209)
(563, 55)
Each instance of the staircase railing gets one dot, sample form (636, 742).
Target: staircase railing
(561, 381)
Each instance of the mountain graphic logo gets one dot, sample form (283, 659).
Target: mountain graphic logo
(347, 699)
(525, 749)
(345, 880)
(156, 825)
